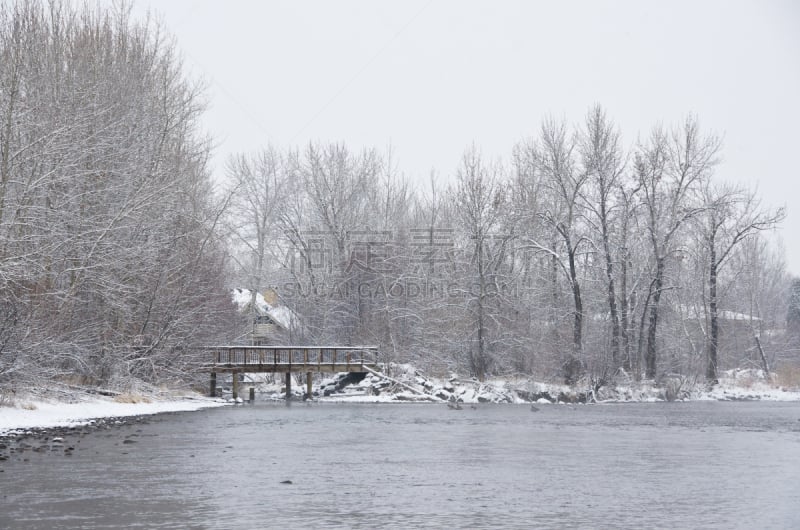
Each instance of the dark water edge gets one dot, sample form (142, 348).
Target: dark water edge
(677, 465)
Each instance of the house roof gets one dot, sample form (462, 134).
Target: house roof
(695, 312)
(281, 315)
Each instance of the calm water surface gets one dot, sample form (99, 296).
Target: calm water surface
(673, 465)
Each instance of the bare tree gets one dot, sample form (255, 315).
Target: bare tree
(731, 215)
(604, 163)
(670, 168)
(480, 202)
(566, 183)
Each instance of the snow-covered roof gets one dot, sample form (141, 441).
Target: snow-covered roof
(733, 315)
(698, 313)
(281, 315)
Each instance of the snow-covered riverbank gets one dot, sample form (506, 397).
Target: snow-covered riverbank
(39, 414)
(405, 383)
(409, 384)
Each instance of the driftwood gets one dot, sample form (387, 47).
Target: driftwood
(92, 390)
(764, 363)
(395, 381)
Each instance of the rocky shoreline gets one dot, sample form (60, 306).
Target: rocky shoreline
(17, 445)
(38, 424)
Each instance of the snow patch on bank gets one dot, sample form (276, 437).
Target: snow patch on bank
(45, 414)
(747, 384)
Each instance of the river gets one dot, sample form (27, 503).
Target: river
(676, 465)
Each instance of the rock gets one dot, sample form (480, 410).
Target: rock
(443, 395)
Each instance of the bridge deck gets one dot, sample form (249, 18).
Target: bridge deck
(286, 359)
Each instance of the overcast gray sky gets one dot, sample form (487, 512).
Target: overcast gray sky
(430, 77)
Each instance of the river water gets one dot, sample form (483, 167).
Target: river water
(675, 465)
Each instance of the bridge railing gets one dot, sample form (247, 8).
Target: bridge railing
(291, 355)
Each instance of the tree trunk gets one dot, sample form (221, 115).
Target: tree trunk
(479, 361)
(713, 343)
(557, 350)
(651, 354)
(612, 295)
(625, 324)
(764, 363)
(577, 330)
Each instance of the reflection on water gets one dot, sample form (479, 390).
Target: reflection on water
(723, 465)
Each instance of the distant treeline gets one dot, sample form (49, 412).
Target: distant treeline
(577, 256)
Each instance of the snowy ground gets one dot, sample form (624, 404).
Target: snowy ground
(44, 414)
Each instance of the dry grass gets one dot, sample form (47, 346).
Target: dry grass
(747, 380)
(132, 398)
(788, 376)
(8, 401)
(76, 380)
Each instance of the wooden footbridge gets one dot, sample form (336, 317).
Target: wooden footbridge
(287, 359)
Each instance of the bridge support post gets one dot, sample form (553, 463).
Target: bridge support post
(212, 387)
(288, 386)
(235, 385)
(308, 384)
(252, 394)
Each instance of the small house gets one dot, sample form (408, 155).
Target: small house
(268, 321)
